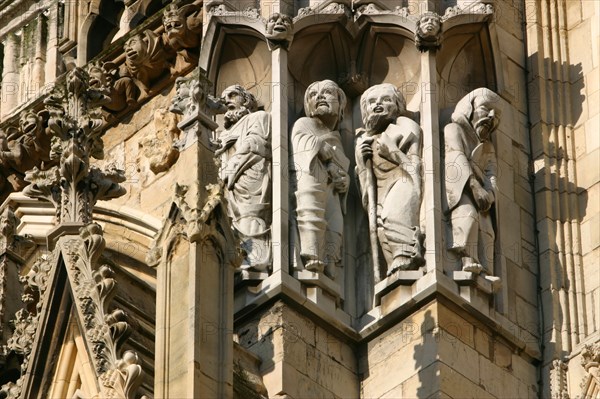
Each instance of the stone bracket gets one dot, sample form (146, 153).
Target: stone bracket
(402, 277)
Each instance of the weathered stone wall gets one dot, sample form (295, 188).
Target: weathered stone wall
(299, 357)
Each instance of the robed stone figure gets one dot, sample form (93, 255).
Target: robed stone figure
(320, 168)
(470, 179)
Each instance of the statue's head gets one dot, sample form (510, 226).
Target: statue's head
(380, 105)
(481, 109)
(279, 27)
(325, 99)
(238, 102)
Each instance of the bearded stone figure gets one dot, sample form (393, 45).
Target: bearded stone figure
(388, 165)
(245, 151)
(471, 166)
(320, 170)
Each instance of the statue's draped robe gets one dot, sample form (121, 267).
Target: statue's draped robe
(246, 171)
(319, 206)
(472, 231)
(398, 195)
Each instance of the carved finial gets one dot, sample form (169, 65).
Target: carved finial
(192, 101)
(75, 120)
(279, 31)
(428, 33)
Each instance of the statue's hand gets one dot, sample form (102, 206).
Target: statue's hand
(326, 151)
(365, 148)
(341, 183)
(483, 198)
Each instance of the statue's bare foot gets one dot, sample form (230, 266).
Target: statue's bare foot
(314, 265)
(470, 265)
(400, 263)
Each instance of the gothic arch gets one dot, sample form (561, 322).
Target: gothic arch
(98, 28)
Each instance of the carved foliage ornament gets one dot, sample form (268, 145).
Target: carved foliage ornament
(105, 329)
(75, 119)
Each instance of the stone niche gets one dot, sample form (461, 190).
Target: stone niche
(356, 50)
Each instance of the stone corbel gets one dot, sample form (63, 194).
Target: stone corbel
(428, 33)
(279, 31)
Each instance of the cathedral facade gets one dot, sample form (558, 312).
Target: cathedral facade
(299, 199)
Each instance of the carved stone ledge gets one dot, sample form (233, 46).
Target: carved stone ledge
(399, 278)
(310, 279)
(486, 284)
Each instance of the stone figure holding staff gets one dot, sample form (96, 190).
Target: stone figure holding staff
(388, 166)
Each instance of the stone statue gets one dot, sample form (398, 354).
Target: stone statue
(388, 166)
(245, 151)
(470, 179)
(279, 30)
(145, 58)
(321, 177)
(429, 28)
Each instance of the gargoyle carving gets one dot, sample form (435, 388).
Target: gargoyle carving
(145, 59)
(183, 28)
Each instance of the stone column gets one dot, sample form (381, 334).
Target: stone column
(52, 44)
(10, 74)
(432, 202)
(194, 323)
(280, 204)
(38, 70)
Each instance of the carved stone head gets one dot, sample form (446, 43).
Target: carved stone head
(380, 105)
(30, 123)
(8, 228)
(279, 27)
(481, 110)
(238, 102)
(325, 98)
(140, 48)
(427, 35)
(177, 32)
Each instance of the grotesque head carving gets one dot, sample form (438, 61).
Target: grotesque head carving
(30, 123)
(381, 105)
(429, 28)
(178, 34)
(279, 28)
